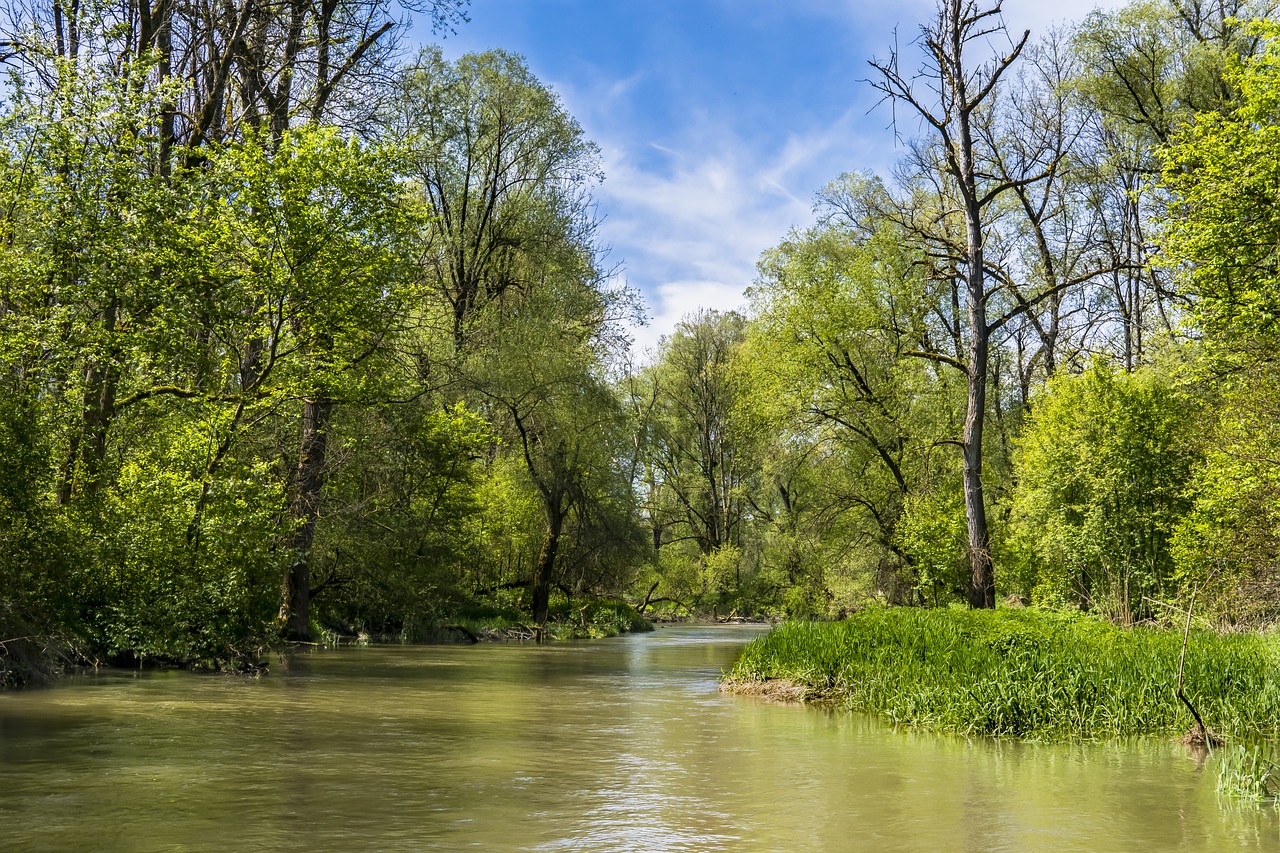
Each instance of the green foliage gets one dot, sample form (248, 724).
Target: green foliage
(1222, 234)
(1229, 540)
(829, 370)
(405, 501)
(932, 532)
(428, 294)
(700, 472)
(1104, 466)
(1023, 673)
(183, 570)
(1224, 218)
(594, 618)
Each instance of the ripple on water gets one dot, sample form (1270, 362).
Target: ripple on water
(615, 745)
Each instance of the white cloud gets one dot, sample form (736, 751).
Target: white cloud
(689, 233)
(677, 300)
(689, 226)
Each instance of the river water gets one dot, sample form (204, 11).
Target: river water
(609, 745)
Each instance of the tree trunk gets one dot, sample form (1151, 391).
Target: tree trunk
(961, 91)
(296, 609)
(88, 451)
(982, 586)
(544, 569)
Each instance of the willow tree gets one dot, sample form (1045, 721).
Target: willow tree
(517, 317)
(504, 170)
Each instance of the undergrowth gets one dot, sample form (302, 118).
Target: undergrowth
(1023, 673)
(568, 619)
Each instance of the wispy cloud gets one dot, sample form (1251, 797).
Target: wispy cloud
(709, 164)
(690, 231)
(688, 219)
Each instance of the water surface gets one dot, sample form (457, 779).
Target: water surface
(613, 745)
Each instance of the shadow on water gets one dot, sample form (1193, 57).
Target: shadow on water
(619, 744)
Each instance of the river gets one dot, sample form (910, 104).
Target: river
(608, 745)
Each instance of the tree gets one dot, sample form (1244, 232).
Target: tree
(504, 170)
(1144, 71)
(962, 94)
(839, 311)
(551, 400)
(199, 80)
(696, 466)
(517, 318)
(1222, 237)
(317, 240)
(699, 461)
(1104, 468)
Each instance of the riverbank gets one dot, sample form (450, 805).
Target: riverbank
(31, 658)
(1018, 673)
(568, 619)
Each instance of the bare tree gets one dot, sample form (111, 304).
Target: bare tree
(953, 95)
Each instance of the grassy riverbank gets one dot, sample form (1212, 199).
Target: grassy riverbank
(1018, 673)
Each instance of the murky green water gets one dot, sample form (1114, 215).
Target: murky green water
(611, 745)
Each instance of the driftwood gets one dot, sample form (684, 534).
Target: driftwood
(537, 632)
(463, 629)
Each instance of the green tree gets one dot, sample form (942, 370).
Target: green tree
(517, 317)
(505, 172)
(697, 467)
(839, 310)
(1104, 467)
(1222, 237)
(554, 405)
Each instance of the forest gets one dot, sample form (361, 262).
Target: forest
(306, 334)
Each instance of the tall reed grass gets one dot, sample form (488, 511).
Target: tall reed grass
(1022, 673)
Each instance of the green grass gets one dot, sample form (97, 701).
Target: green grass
(1249, 773)
(1023, 673)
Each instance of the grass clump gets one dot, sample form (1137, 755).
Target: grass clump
(1249, 773)
(1021, 673)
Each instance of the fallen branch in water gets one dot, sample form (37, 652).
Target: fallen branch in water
(471, 635)
(1200, 734)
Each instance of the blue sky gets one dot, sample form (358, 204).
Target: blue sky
(719, 120)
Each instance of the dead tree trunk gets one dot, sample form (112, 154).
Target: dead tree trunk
(958, 92)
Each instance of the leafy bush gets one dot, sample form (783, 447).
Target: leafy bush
(1103, 473)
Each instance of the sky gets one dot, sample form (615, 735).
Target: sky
(718, 120)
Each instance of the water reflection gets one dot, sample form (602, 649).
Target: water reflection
(613, 745)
